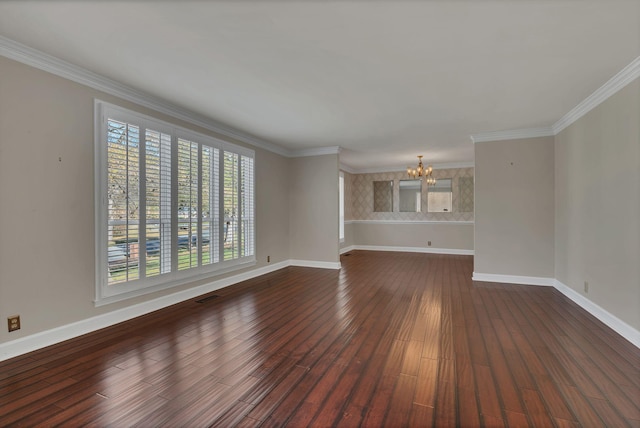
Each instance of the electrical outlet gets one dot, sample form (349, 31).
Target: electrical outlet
(13, 323)
(268, 259)
(586, 286)
(428, 243)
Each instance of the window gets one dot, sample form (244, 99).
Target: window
(171, 205)
(341, 203)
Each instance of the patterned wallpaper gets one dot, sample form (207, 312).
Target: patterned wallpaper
(359, 196)
(382, 195)
(465, 201)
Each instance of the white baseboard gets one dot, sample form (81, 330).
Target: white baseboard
(315, 264)
(513, 279)
(413, 222)
(431, 250)
(610, 320)
(46, 338)
(347, 249)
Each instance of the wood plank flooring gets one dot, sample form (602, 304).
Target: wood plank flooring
(392, 339)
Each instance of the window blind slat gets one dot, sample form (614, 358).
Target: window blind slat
(147, 163)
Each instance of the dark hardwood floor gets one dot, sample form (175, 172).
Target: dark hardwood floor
(392, 339)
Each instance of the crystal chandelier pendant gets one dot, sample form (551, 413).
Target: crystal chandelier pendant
(420, 171)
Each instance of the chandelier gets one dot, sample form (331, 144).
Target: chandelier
(420, 171)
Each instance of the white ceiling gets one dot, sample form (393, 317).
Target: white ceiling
(384, 80)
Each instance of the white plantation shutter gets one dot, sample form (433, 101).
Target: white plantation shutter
(247, 206)
(165, 209)
(157, 257)
(231, 240)
(171, 204)
(123, 194)
(210, 205)
(187, 213)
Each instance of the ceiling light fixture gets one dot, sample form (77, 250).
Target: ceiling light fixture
(420, 171)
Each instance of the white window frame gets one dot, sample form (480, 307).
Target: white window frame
(341, 206)
(108, 293)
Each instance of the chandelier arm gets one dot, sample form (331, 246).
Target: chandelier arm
(421, 171)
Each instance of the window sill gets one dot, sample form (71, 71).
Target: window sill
(170, 283)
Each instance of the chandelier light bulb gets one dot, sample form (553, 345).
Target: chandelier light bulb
(422, 171)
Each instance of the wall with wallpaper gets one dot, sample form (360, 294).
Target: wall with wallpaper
(362, 197)
(447, 232)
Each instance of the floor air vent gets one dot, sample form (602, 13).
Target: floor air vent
(208, 298)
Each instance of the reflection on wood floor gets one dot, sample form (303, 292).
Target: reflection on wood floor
(392, 339)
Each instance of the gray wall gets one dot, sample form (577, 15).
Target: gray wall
(46, 204)
(597, 201)
(514, 207)
(449, 236)
(272, 203)
(451, 231)
(314, 209)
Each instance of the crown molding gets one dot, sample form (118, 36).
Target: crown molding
(38, 59)
(375, 170)
(627, 75)
(43, 61)
(315, 151)
(451, 165)
(347, 168)
(512, 134)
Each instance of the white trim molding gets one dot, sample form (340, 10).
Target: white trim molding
(347, 249)
(432, 222)
(512, 134)
(55, 335)
(38, 59)
(347, 169)
(610, 320)
(58, 67)
(428, 250)
(374, 170)
(513, 279)
(315, 264)
(316, 151)
(627, 75)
